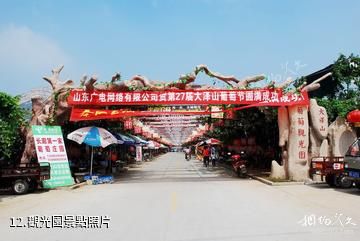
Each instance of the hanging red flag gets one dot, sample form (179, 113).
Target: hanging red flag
(137, 130)
(128, 124)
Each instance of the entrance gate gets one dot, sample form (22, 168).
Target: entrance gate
(140, 98)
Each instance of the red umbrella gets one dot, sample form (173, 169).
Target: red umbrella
(157, 144)
(213, 141)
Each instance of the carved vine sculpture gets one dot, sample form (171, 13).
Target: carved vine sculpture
(56, 110)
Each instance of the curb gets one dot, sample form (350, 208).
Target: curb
(78, 185)
(270, 183)
(314, 182)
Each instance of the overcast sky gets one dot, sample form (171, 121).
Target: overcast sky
(163, 39)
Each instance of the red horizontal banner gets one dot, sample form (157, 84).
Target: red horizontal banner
(79, 114)
(98, 114)
(186, 97)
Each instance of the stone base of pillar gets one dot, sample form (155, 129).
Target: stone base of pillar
(277, 171)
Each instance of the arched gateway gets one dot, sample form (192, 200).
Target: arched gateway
(167, 112)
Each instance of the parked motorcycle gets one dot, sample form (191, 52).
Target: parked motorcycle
(118, 166)
(238, 162)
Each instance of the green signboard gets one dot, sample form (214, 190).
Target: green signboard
(49, 144)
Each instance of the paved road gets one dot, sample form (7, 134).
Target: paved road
(171, 199)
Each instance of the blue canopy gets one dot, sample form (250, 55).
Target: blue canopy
(139, 140)
(124, 139)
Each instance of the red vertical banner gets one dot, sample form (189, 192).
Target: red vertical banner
(137, 130)
(128, 125)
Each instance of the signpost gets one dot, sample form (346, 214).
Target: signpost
(216, 112)
(138, 153)
(49, 144)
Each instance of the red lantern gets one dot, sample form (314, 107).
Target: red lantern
(230, 115)
(354, 117)
(237, 142)
(211, 127)
(219, 123)
(207, 127)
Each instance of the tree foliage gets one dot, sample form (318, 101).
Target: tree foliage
(260, 123)
(346, 73)
(11, 120)
(344, 97)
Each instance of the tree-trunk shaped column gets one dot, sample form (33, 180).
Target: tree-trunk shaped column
(298, 143)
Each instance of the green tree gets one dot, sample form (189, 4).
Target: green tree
(344, 96)
(11, 120)
(346, 72)
(253, 122)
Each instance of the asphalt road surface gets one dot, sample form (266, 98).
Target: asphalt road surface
(172, 199)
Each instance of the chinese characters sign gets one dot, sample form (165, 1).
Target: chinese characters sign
(137, 130)
(49, 144)
(216, 112)
(128, 124)
(78, 114)
(302, 133)
(323, 120)
(319, 120)
(186, 97)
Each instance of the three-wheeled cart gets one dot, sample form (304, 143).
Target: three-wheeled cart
(23, 178)
(331, 169)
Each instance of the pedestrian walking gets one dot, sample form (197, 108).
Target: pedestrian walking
(206, 156)
(187, 151)
(213, 156)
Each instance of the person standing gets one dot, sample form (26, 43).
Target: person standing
(113, 159)
(206, 156)
(213, 156)
(187, 153)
